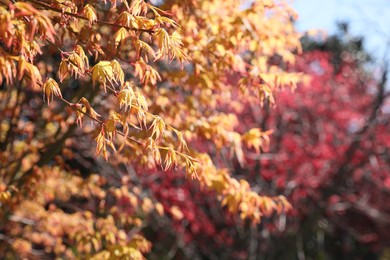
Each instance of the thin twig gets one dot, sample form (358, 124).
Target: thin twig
(46, 6)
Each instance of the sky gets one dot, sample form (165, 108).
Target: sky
(368, 18)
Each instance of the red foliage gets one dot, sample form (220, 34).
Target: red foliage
(330, 151)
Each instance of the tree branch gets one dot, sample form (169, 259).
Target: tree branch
(48, 7)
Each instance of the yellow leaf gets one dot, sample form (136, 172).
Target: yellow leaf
(126, 19)
(191, 168)
(176, 213)
(126, 96)
(158, 127)
(182, 143)
(102, 73)
(90, 13)
(120, 36)
(138, 7)
(146, 73)
(147, 205)
(170, 159)
(166, 20)
(159, 208)
(31, 71)
(163, 41)
(76, 63)
(63, 70)
(146, 47)
(109, 126)
(50, 88)
(151, 145)
(257, 139)
(101, 145)
(176, 39)
(80, 111)
(91, 112)
(141, 100)
(119, 76)
(79, 50)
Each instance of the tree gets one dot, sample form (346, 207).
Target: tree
(330, 157)
(157, 97)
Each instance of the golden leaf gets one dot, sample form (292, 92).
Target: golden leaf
(170, 160)
(101, 144)
(80, 111)
(265, 93)
(176, 213)
(146, 47)
(267, 205)
(147, 205)
(146, 72)
(63, 70)
(191, 168)
(76, 64)
(119, 76)
(141, 100)
(31, 71)
(103, 73)
(79, 50)
(158, 127)
(90, 13)
(182, 143)
(126, 96)
(147, 24)
(7, 69)
(120, 36)
(159, 208)
(162, 19)
(176, 39)
(110, 125)
(257, 139)
(151, 145)
(126, 19)
(44, 25)
(50, 88)
(91, 112)
(163, 41)
(138, 7)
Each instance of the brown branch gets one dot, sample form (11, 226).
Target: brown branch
(3, 4)
(51, 8)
